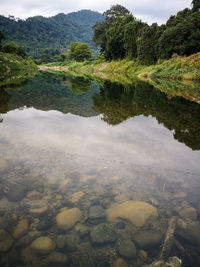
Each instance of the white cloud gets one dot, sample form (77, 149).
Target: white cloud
(147, 10)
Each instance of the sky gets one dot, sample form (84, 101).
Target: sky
(147, 10)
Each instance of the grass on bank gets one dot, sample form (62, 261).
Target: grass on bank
(14, 69)
(182, 68)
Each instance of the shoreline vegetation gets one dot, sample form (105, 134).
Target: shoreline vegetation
(14, 69)
(176, 68)
(178, 76)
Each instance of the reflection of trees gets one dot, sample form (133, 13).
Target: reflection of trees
(118, 102)
(79, 84)
(50, 91)
(4, 99)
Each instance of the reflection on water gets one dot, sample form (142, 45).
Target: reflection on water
(97, 174)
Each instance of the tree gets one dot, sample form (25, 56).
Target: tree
(183, 37)
(1, 39)
(79, 51)
(196, 5)
(115, 12)
(13, 48)
(147, 44)
(100, 28)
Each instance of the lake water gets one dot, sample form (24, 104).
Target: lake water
(93, 171)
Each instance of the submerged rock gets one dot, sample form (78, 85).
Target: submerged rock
(127, 249)
(38, 207)
(193, 233)
(77, 196)
(33, 195)
(96, 214)
(15, 191)
(6, 241)
(119, 263)
(68, 218)
(188, 214)
(137, 212)
(148, 238)
(102, 234)
(21, 229)
(54, 257)
(43, 245)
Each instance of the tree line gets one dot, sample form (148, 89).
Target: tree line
(122, 36)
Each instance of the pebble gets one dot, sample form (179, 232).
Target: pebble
(21, 229)
(6, 241)
(68, 218)
(127, 249)
(119, 263)
(43, 245)
(102, 234)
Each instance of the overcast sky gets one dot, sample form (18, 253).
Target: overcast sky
(148, 10)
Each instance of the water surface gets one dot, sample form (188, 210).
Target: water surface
(72, 142)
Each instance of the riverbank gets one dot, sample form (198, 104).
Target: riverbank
(176, 68)
(14, 69)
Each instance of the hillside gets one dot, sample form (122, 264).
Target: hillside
(39, 35)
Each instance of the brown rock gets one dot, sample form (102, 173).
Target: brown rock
(188, 214)
(137, 212)
(21, 229)
(143, 255)
(43, 245)
(119, 263)
(68, 218)
(77, 196)
(32, 195)
(5, 241)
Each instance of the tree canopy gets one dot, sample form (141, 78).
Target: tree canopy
(122, 36)
(79, 51)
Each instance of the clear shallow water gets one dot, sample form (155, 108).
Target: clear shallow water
(70, 142)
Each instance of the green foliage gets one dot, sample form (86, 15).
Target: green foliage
(10, 62)
(115, 12)
(195, 5)
(147, 44)
(39, 35)
(13, 48)
(122, 36)
(101, 28)
(182, 35)
(79, 51)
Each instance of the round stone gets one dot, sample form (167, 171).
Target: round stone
(119, 263)
(21, 229)
(68, 218)
(188, 214)
(127, 249)
(43, 245)
(5, 241)
(148, 238)
(96, 215)
(103, 234)
(15, 192)
(137, 212)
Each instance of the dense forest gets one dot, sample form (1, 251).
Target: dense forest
(48, 37)
(121, 35)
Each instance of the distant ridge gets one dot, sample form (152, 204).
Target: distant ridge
(40, 35)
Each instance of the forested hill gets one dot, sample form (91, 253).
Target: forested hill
(39, 35)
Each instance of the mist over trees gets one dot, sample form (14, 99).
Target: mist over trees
(122, 36)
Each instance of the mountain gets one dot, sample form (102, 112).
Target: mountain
(40, 35)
